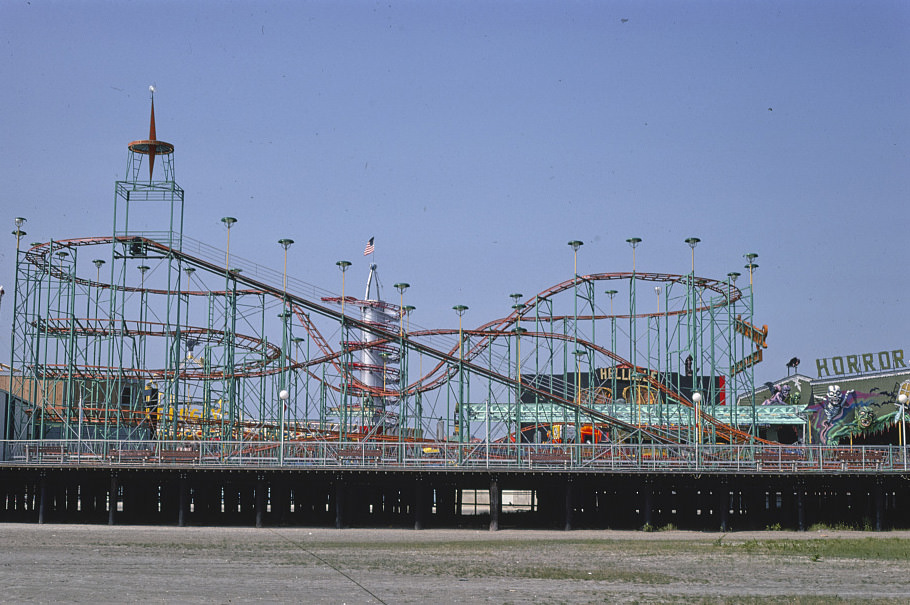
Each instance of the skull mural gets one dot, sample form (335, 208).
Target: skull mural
(835, 402)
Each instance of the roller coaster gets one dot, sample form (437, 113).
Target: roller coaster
(148, 335)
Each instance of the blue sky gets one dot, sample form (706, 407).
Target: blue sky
(474, 139)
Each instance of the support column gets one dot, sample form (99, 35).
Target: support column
(901, 514)
(183, 505)
(42, 498)
(647, 511)
(112, 500)
(340, 493)
(495, 503)
(260, 500)
(723, 504)
(4, 507)
(281, 501)
(420, 505)
(445, 504)
(800, 508)
(232, 501)
(570, 506)
(72, 499)
(879, 505)
(600, 503)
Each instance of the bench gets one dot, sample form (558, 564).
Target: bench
(359, 454)
(550, 457)
(179, 456)
(131, 455)
(299, 451)
(45, 453)
(777, 460)
(859, 458)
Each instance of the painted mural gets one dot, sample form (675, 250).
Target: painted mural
(862, 407)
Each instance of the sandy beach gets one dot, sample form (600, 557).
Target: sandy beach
(82, 563)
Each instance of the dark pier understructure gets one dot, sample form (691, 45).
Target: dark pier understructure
(373, 497)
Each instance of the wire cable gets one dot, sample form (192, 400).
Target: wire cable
(327, 564)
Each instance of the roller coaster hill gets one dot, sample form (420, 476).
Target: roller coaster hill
(147, 345)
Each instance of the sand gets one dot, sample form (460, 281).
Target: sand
(83, 563)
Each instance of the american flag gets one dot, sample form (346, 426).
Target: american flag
(369, 249)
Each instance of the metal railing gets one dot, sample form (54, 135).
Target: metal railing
(430, 455)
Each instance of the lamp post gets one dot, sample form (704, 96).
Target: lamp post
(19, 232)
(518, 332)
(460, 310)
(401, 287)
(186, 395)
(732, 276)
(693, 241)
(343, 267)
(807, 427)
(189, 275)
(901, 432)
(418, 421)
(579, 353)
(576, 244)
(696, 399)
(142, 270)
(691, 312)
(283, 396)
(385, 361)
(408, 309)
(293, 380)
(98, 263)
(633, 332)
(633, 241)
(516, 296)
(228, 222)
(285, 243)
(612, 294)
(143, 315)
(752, 266)
(657, 291)
(8, 426)
(402, 359)
(517, 306)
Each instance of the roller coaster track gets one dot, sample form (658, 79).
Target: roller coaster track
(40, 255)
(497, 327)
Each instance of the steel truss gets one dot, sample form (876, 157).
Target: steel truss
(146, 335)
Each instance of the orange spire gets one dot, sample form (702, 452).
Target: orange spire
(152, 146)
(152, 137)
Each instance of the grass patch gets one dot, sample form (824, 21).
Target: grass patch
(782, 600)
(879, 549)
(525, 570)
(865, 526)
